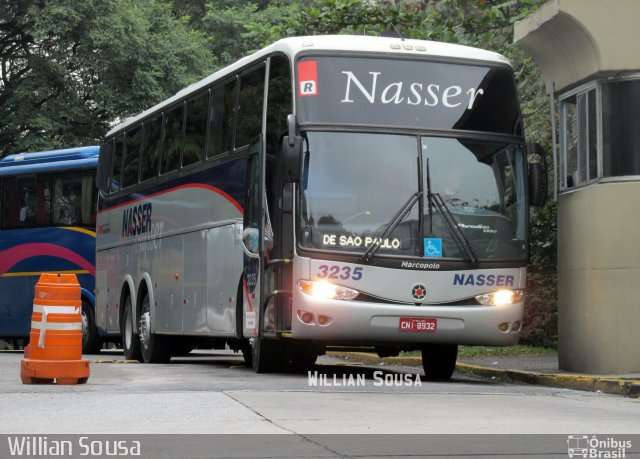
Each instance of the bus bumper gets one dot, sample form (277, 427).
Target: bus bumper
(364, 323)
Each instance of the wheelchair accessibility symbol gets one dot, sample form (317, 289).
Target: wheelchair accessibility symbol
(432, 247)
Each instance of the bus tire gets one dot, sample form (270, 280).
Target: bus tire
(303, 358)
(262, 354)
(245, 344)
(247, 353)
(91, 342)
(130, 341)
(154, 347)
(439, 361)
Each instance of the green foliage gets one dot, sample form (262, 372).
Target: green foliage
(76, 67)
(541, 311)
(237, 27)
(469, 352)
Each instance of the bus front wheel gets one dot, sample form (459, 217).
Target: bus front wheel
(262, 354)
(303, 358)
(439, 361)
(130, 341)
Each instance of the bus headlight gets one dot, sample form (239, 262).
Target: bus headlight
(501, 297)
(324, 289)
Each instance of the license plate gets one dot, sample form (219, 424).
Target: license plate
(418, 324)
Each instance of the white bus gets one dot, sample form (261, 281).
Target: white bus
(324, 191)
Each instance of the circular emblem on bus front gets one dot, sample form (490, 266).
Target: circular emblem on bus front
(419, 292)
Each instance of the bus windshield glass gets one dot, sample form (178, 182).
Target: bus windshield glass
(355, 183)
(407, 93)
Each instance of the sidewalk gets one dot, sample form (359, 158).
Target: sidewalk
(528, 369)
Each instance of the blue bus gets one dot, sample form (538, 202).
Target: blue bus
(47, 224)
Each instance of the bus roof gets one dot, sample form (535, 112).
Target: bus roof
(54, 160)
(341, 43)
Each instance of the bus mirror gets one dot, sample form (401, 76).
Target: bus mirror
(250, 237)
(291, 158)
(537, 174)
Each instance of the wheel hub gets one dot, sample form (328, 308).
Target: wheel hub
(128, 330)
(145, 329)
(85, 327)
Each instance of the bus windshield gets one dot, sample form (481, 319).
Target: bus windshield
(355, 183)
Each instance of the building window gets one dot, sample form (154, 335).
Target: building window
(579, 131)
(606, 110)
(621, 128)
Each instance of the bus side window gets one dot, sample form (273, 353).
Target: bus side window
(250, 104)
(279, 102)
(88, 199)
(195, 134)
(172, 140)
(43, 200)
(103, 172)
(27, 199)
(223, 102)
(131, 157)
(151, 147)
(10, 207)
(118, 153)
(67, 199)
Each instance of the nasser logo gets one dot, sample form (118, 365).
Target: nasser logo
(419, 292)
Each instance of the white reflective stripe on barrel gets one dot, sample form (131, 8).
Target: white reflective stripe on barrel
(57, 326)
(57, 309)
(45, 325)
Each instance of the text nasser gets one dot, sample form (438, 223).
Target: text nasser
(136, 220)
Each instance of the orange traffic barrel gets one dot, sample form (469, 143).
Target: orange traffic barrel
(55, 349)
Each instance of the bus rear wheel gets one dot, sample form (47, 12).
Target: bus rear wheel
(130, 341)
(439, 361)
(91, 342)
(154, 347)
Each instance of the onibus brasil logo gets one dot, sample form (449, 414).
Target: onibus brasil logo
(593, 447)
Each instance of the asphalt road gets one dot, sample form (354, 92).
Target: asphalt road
(215, 394)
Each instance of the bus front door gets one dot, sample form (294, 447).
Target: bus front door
(256, 235)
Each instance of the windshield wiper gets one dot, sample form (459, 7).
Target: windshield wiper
(458, 235)
(393, 223)
(447, 216)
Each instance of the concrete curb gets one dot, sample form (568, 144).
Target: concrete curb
(590, 383)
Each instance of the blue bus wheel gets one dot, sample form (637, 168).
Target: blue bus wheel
(91, 342)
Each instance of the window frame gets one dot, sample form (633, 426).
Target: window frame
(206, 91)
(133, 128)
(143, 157)
(223, 155)
(256, 67)
(584, 91)
(599, 85)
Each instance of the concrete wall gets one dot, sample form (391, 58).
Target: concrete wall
(572, 40)
(599, 278)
